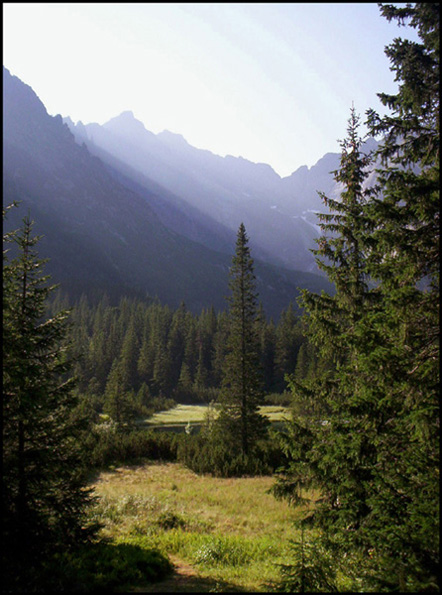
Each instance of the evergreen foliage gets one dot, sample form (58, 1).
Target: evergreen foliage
(109, 339)
(239, 421)
(364, 378)
(44, 498)
(210, 452)
(289, 340)
(313, 570)
(172, 356)
(373, 451)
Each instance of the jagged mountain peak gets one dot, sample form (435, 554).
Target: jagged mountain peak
(127, 117)
(17, 95)
(127, 114)
(227, 190)
(252, 167)
(126, 124)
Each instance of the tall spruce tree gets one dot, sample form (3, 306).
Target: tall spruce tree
(376, 459)
(330, 323)
(44, 499)
(242, 384)
(403, 363)
(119, 402)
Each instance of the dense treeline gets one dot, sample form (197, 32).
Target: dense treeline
(138, 357)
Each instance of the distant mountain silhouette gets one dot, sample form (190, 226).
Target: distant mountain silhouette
(103, 230)
(280, 213)
(226, 190)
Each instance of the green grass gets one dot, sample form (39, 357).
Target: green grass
(183, 414)
(232, 531)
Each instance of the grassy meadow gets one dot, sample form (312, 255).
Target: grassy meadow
(181, 415)
(231, 532)
(221, 534)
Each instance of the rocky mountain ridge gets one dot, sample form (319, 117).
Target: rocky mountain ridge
(100, 233)
(280, 213)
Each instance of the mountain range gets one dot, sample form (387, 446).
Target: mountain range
(219, 192)
(128, 212)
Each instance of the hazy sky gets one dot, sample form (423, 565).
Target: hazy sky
(271, 82)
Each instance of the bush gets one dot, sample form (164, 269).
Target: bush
(196, 395)
(170, 520)
(111, 445)
(206, 453)
(102, 566)
(284, 399)
(161, 403)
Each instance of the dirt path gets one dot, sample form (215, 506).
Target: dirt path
(185, 579)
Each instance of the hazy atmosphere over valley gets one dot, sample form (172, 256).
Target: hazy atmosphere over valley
(212, 114)
(270, 82)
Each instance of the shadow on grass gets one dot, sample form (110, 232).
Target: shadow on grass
(99, 567)
(103, 567)
(185, 580)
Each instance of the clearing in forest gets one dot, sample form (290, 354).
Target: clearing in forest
(227, 533)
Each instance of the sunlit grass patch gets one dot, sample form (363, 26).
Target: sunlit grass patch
(241, 505)
(183, 414)
(230, 530)
(275, 412)
(180, 414)
(235, 559)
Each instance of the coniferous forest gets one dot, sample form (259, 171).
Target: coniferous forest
(149, 353)
(358, 370)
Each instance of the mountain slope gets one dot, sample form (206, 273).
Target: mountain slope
(101, 235)
(279, 213)
(228, 190)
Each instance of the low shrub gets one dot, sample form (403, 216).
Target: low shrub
(170, 520)
(204, 453)
(100, 567)
(283, 399)
(108, 445)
